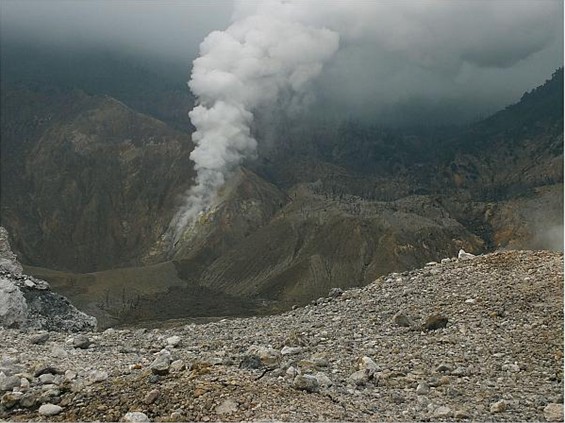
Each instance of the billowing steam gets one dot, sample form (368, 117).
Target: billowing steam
(391, 53)
(255, 62)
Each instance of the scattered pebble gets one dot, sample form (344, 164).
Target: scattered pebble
(151, 396)
(227, 407)
(136, 417)
(435, 321)
(498, 407)
(50, 410)
(350, 359)
(306, 383)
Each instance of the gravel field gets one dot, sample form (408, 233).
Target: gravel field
(466, 339)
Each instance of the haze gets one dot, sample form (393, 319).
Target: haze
(397, 61)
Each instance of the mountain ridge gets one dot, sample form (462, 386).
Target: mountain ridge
(298, 222)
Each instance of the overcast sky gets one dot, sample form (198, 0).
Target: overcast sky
(170, 28)
(390, 52)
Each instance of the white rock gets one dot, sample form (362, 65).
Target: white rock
(498, 407)
(177, 366)
(291, 350)
(70, 375)
(464, 255)
(323, 379)
(227, 407)
(58, 352)
(442, 412)
(13, 306)
(292, 372)
(173, 341)
(97, 376)
(29, 283)
(136, 417)
(50, 410)
(422, 389)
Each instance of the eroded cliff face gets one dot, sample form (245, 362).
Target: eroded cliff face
(89, 183)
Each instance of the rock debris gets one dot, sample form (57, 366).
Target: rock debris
(497, 358)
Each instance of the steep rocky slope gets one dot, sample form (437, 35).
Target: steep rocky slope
(87, 183)
(479, 339)
(314, 244)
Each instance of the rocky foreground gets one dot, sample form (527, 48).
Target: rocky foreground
(477, 339)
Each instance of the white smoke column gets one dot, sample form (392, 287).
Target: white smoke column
(249, 65)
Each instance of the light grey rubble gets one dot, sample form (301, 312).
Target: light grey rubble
(498, 358)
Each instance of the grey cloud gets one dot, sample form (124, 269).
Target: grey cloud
(480, 54)
(389, 61)
(391, 54)
(169, 28)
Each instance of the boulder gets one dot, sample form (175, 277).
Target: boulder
(553, 412)
(435, 322)
(29, 303)
(306, 383)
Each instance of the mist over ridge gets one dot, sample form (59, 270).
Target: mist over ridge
(298, 146)
(429, 61)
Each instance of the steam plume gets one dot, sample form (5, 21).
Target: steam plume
(258, 60)
(391, 52)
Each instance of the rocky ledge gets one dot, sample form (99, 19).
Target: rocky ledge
(474, 338)
(29, 303)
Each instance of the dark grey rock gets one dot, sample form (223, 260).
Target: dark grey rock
(250, 362)
(401, 319)
(360, 377)
(39, 339)
(29, 399)
(306, 383)
(443, 368)
(154, 378)
(161, 365)
(335, 292)
(81, 341)
(435, 321)
(47, 369)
